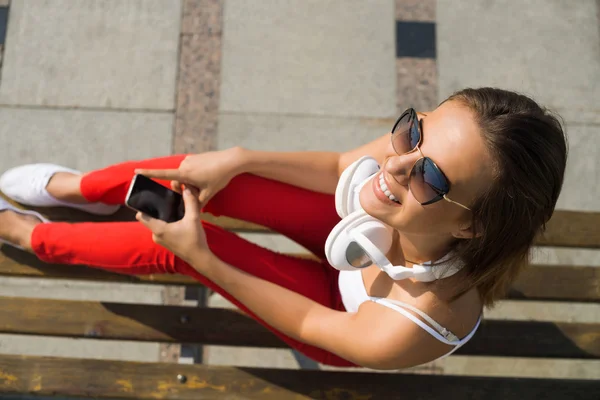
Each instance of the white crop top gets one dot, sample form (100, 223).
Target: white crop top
(354, 293)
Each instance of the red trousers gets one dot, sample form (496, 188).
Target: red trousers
(127, 247)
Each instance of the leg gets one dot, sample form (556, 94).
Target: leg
(128, 248)
(304, 216)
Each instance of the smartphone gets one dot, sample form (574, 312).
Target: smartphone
(155, 200)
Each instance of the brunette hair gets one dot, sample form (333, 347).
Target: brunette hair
(529, 151)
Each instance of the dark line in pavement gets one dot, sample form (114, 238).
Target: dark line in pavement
(3, 23)
(415, 39)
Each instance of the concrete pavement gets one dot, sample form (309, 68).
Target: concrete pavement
(86, 84)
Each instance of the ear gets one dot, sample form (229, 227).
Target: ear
(466, 231)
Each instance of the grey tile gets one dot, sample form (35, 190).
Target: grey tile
(333, 58)
(275, 242)
(522, 367)
(63, 289)
(272, 132)
(545, 48)
(78, 348)
(580, 189)
(415, 10)
(417, 84)
(77, 290)
(84, 140)
(565, 256)
(109, 54)
(539, 311)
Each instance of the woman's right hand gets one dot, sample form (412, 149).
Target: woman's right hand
(208, 172)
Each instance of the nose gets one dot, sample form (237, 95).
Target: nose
(399, 167)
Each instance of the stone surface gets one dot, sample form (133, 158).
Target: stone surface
(294, 133)
(202, 16)
(109, 54)
(196, 117)
(546, 48)
(580, 189)
(78, 348)
(333, 58)
(83, 140)
(417, 84)
(415, 10)
(522, 367)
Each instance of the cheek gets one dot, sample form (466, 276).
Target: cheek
(426, 220)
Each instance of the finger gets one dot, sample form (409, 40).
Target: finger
(166, 174)
(176, 186)
(191, 203)
(204, 197)
(155, 225)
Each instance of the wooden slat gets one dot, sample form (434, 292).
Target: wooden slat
(579, 229)
(107, 379)
(557, 283)
(572, 229)
(228, 327)
(535, 339)
(141, 322)
(17, 263)
(538, 282)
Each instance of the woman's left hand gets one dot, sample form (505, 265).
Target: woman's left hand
(185, 238)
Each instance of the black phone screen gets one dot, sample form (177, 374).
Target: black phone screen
(155, 200)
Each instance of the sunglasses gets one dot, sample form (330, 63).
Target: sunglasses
(427, 182)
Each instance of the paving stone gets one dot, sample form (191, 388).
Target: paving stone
(330, 59)
(108, 54)
(83, 140)
(545, 48)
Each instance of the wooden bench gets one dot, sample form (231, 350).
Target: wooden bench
(53, 376)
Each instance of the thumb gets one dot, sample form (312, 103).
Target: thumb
(176, 186)
(155, 225)
(191, 203)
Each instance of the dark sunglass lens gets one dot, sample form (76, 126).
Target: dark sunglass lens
(356, 256)
(426, 181)
(401, 134)
(414, 133)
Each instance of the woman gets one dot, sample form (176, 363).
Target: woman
(463, 191)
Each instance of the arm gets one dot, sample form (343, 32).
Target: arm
(313, 170)
(374, 337)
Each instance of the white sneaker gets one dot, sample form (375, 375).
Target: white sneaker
(5, 205)
(27, 185)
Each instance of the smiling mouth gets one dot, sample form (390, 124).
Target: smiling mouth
(384, 188)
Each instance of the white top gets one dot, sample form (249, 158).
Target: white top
(354, 293)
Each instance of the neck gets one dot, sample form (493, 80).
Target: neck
(419, 249)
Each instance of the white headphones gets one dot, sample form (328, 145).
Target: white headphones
(360, 240)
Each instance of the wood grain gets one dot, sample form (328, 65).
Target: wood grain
(537, 282)
(214, 326)
(106, 379)
(577, 229)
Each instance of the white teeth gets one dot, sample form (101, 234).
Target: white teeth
(386, 191)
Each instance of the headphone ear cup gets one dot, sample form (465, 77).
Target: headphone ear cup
(351, 181)
(340, 247)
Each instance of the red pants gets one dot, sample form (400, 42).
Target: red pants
(127, 247)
